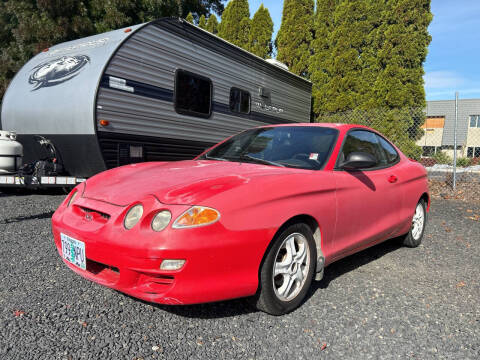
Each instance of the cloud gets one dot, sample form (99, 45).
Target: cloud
(442, 80)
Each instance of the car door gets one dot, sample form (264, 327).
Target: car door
(367, 202)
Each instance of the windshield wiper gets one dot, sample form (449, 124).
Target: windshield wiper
(258, 160)
(207, 157)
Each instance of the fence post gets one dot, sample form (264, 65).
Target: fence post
(455, 144)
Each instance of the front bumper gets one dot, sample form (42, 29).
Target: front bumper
(220, 263)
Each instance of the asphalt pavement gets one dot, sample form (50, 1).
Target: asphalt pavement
(386, 302)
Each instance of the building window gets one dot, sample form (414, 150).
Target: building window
(428, 150)
(193, 94)
(473, 151)
(239, 101)
(470, 152)
(475, 121)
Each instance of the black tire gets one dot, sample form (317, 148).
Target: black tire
(412, 239)
(268, 298)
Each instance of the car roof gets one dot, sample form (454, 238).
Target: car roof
(338, 126)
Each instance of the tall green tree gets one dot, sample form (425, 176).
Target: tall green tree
(295, 35)
(189, 18)
(339, 65)
(400, 39)
(234, 24)
(212, 24)
(202, 22)
(28, 26)
(260, 35)
(368, 59)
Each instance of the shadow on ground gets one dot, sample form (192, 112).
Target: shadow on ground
(241, 306)
(45, 215)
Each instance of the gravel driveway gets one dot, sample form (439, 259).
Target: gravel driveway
(385, 302)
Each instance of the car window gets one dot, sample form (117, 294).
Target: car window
(304, 147)
(363, 141)
(390, 152)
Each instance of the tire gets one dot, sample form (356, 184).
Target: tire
(280, 294)
(414, 237)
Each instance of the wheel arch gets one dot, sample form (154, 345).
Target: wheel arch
(425, 197)
(314, 226)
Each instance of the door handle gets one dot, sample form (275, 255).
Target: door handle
(392, 179)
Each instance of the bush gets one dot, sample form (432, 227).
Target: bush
(464, 162)
(441, 158)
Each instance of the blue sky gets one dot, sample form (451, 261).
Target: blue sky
(453, 61)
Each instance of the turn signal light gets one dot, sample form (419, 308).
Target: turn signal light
(127, 30)
(196, 216)
(72, 198)
(104, 122)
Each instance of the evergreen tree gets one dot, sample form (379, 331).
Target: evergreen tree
(234, 23)
(368, 58)
(295, 36)
(212, 24)
(400, 39)
(260, 35)
(244, 32)
(202, 22)
(189, 18)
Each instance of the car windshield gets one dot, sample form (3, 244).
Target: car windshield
(304, 147)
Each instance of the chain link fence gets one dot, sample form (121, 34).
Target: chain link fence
(429, 136)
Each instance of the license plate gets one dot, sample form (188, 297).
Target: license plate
(73, 251)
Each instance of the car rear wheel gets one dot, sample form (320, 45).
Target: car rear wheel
(287, 270)
(419, 220)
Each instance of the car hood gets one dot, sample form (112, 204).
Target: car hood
(182, 182)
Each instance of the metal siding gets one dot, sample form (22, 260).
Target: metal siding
(152, 55)
(67, 107)
(466, 107)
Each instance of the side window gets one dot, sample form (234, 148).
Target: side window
(392, 155)
(363, 141)
(193, 94)
(239, 101)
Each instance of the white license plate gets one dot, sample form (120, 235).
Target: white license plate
(73, 251)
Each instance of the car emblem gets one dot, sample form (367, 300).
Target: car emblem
(88, 217)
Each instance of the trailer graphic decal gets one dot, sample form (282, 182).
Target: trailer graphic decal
(57, 71)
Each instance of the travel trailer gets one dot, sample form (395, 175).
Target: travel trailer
(159, 91)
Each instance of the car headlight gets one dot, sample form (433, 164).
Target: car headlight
(72, 197)
(133, 216)
(196, 216)
(161, 220)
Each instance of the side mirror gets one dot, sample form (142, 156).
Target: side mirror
(358, 160)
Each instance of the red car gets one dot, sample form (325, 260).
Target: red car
(260, 214)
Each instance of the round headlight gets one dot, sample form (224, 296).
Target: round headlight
(133, 216)
(74, 195)
(161, 220)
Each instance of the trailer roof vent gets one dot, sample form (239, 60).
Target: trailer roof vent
(277, 63)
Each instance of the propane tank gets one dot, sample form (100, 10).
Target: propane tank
(11, 152)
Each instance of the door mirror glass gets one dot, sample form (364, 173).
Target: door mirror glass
(358, 160)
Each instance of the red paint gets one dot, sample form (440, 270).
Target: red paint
(354, 210)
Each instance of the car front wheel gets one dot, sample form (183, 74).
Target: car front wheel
(287, 270)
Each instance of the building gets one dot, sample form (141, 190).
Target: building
(439, 128)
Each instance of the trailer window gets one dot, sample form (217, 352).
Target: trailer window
(239, 101)
(193, 94)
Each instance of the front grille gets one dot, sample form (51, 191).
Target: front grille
(89, 211)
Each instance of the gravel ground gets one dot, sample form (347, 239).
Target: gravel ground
(385, 302)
